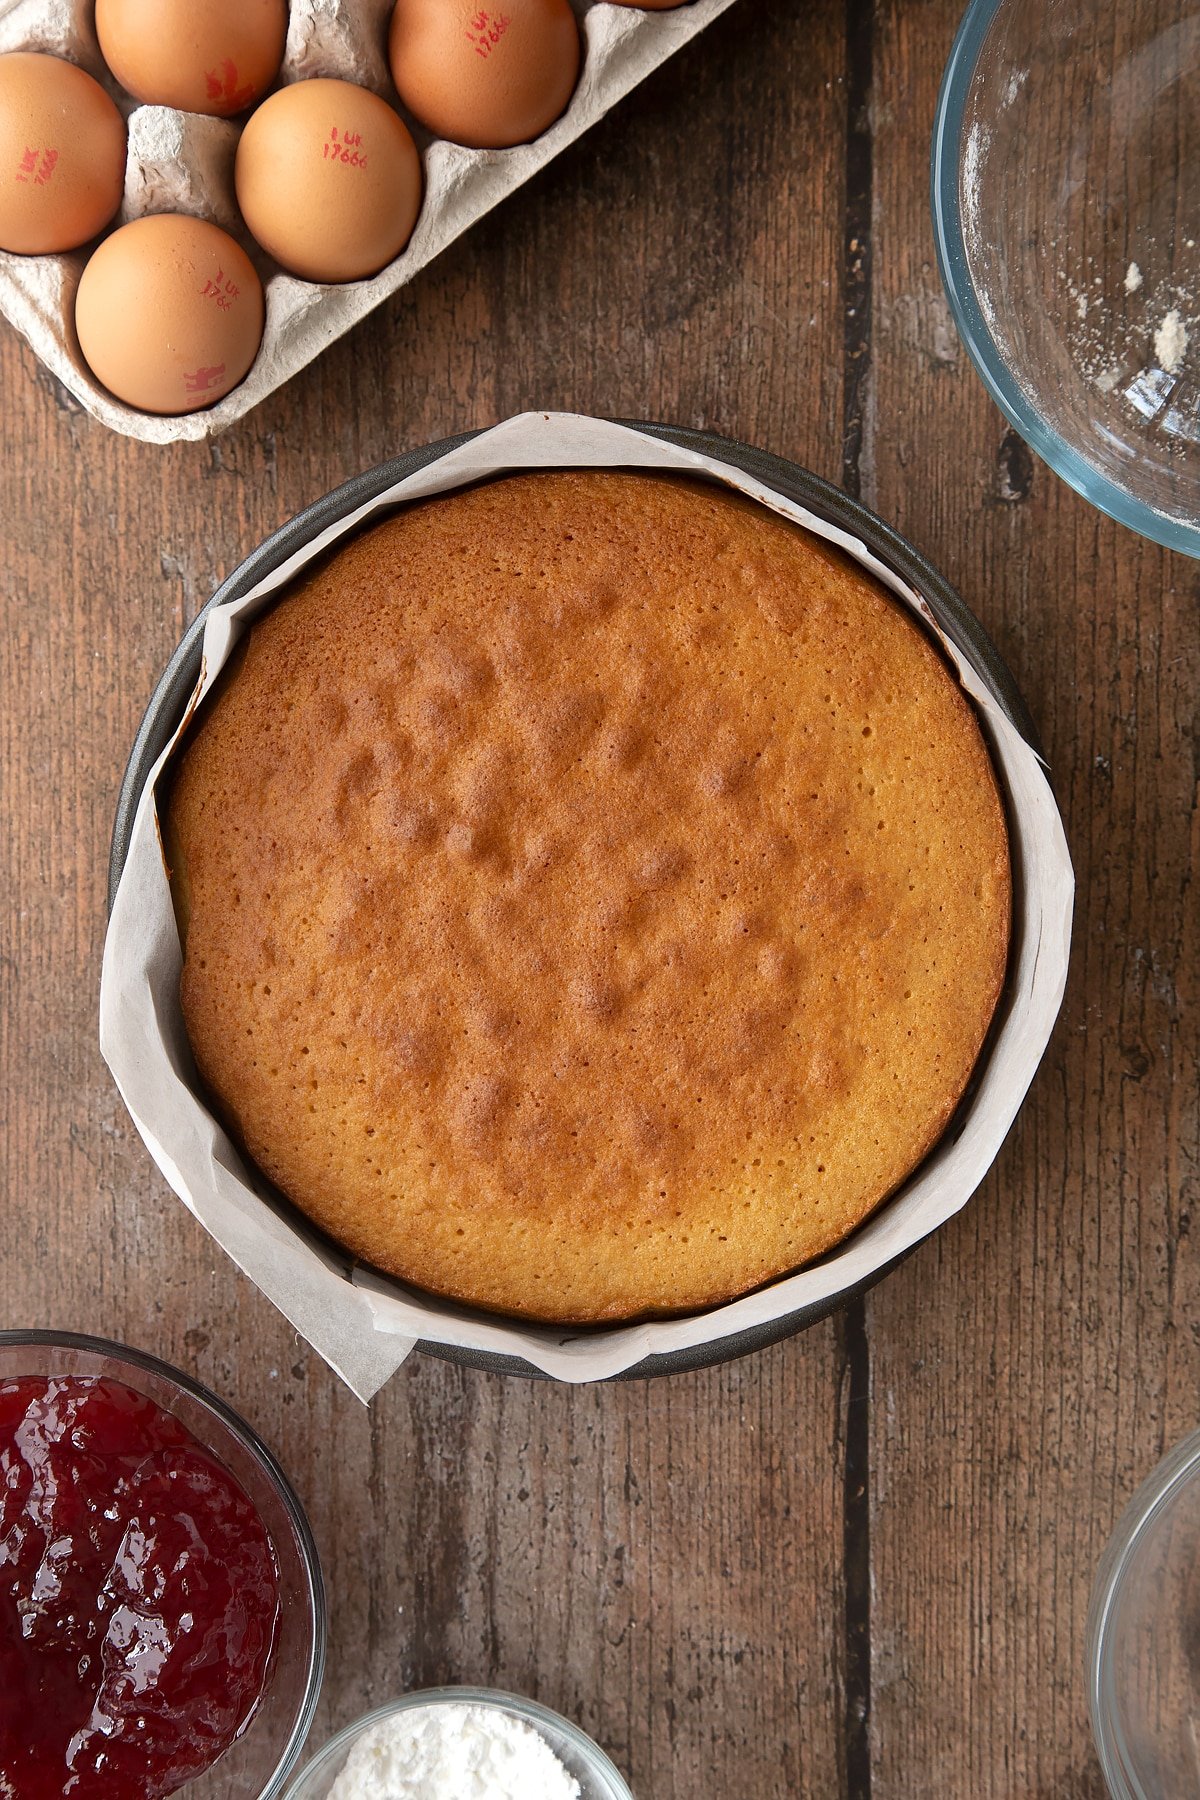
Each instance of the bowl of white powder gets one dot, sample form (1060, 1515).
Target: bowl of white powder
(1066, 200)
(461, 1744)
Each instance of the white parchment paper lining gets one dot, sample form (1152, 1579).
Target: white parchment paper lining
(365, 1324)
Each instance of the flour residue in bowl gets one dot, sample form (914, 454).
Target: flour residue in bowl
(1129, 335)
(1170, 342)
(974, 150)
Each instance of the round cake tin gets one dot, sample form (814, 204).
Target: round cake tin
(173, 691)
(258, 1764)
(598, 1778)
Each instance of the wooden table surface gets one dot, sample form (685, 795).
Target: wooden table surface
(858, 1564)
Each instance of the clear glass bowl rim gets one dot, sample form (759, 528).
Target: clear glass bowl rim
(1177, 1468)
(253, 1444)
(532, 1711)
(1098, 489)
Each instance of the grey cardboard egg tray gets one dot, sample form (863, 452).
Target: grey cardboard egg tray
(183, 162)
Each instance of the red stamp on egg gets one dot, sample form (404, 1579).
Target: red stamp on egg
(201, 380)
(485, 31)
(220, 290)
(345, 148)
(222, 84)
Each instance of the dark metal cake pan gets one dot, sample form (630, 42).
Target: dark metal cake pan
(178, 680)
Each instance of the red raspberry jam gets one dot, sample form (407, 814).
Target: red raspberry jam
(139, 1596)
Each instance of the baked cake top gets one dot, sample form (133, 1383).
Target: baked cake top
(595, 893)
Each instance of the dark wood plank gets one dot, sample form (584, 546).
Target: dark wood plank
(664, 1563)
(1031, 1364)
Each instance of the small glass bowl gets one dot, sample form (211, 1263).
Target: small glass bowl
(596, 1775)
(1066, 155)
(257, 1766)
(1143, 1638)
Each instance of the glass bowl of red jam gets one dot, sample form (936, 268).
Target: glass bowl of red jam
(162, 1613)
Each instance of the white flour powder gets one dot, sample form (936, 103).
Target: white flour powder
(1170, 341)
(455, 1752)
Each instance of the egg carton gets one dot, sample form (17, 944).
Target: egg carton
(183, 162)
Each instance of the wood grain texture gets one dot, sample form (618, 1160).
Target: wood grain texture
(668, 1563)
(1031, 1364)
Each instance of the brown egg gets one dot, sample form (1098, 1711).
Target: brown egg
(203, 56)
(169, 313)
(328, 180)
(485, 77)
(62, 155)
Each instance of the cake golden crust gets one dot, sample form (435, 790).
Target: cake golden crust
(596, 895)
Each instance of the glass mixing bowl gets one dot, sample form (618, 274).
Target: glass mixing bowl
(1066, 201)
(257, 1766)
(597, 1777)
(1143, 1638)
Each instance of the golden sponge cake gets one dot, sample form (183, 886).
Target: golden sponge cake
(595, 894)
